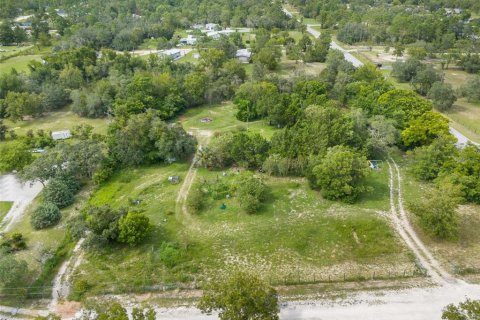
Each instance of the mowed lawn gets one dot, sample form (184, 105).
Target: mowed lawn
(465, 115)
(5, 206)
(222, 119)
(58, 120)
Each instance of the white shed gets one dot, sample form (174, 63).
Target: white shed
(61, 135)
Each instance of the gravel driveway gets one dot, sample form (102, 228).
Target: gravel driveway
(11, 189)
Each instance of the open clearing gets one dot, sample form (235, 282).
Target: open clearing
(19, 63)
(297, 237)
(58, 120)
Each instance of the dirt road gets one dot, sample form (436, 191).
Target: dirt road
(61, 283)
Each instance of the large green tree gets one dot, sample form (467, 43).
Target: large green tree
(13, 272)
(424, 129)
(442, 95)
(437, 214)
(340, 174)
(14, 156)
(240, 297)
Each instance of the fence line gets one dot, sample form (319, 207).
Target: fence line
(292, 279)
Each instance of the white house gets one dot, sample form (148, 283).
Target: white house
(61, 135)
(171, 53)
(212, 26)
(244, 55)
(61, 13)
(189, 40)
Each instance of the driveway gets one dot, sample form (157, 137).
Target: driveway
(11, 189)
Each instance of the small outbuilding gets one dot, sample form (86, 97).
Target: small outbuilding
(174, 179)
(190, 40)
(61, 135)
(171, 53)
(244, 55)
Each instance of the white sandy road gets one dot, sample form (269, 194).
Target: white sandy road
(411, 304)
(11, 189)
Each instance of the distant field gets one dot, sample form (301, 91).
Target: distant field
(19, 63)
(59, 120)
(4, 208)
(6, 51)
(223, 118)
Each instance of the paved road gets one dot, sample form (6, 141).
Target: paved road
(462, 140)
(348, 56)
(11, 189)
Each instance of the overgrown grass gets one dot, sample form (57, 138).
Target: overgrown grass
(460, 256)
(296, 232)
(5, 206)
(19, 63)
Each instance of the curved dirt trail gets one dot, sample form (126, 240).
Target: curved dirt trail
(403, 227)
(61, 283)
(181, 202)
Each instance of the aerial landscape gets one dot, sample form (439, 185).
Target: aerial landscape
(240, 159)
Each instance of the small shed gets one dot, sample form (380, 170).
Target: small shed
(174, 179)
(171, 53)
(190, 40)
(61, 135)
(212, 26)
(244, 55)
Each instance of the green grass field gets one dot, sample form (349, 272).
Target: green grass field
(296, 234)
(58, 120)
(5, 206)
(6, 51)
(223, 118)
(19, 63)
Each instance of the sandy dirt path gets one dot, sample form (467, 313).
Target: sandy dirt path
(203, 137)
(62, 281)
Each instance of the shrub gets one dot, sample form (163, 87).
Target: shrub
(80, 287)
(58, 192)
(170, 254)
(251, 191)
(196, 199)
(437, 214)
(46, 215)
(133, 228)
